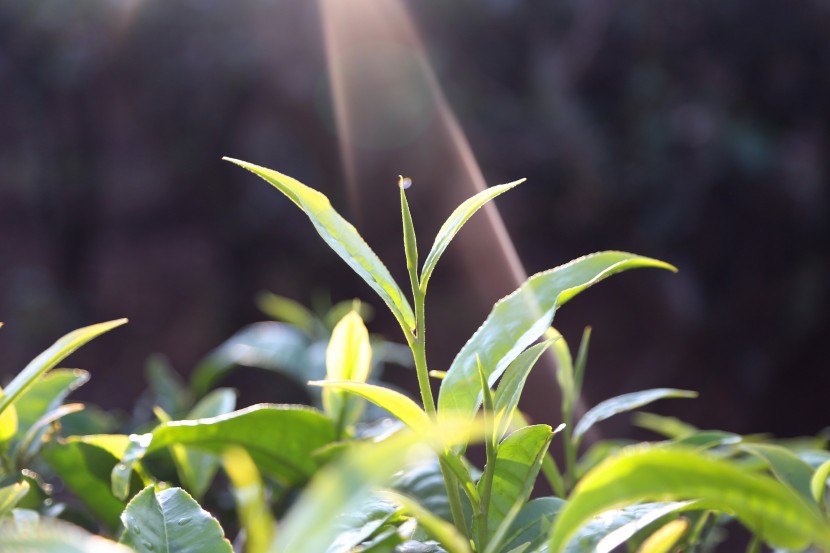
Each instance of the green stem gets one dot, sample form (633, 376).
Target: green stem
(553, 476)
(455, 499)
(754, 545)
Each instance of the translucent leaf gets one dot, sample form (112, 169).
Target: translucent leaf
(252, 507)
(665, 538)
(454, 223)
(51, 357)
(818, 482)
(519, 319)
(623, 403)
(348, 357)
(766, 506)
(8, 423)
(171, 520)
(409, 412)
(343, 238)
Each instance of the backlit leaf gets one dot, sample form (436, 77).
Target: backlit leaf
(454, 223)
(348, 357)
(343, 238)
(51, 357)
(50, 535)
(785, 465)
(519, 319)
(512, 383)
(409, 412)
(766, 506)
(11, 495)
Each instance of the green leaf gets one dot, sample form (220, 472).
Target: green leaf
(272, 346)
(50, 535)
(84, 463)
(343, 486)
(284, 451)
(361, 525)
(425, 483)
(532, 524)
(608, 531)
(170, 521)
(669, 427)
(454, 223)
(512, 383)
(442, 531)
(167, 390)
(44, 396)
(518, 461)
(519, 319)
(10, 496)
(255, 516)
(51, 357)
(818, 482)
(197, 468)
(764, 505)
(665, 538)
(30, 443)
(343, 238)
(348, 357)
(785, 465)
(410, 243)
(623, 403)
(287, 310)
(395, 402)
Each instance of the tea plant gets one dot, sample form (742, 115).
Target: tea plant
(377, 488)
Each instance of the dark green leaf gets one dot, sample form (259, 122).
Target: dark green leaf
(272, 346)
(171, 521)
(280, 439)
(532, 524)
(623, 403)
(785, 465)
(512, 383)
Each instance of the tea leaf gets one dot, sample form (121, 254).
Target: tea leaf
(8, 423)
(454, 223)
(341, 237)
(84, 463)
(45, 395)
(10, 496)
(518, 461)
(395, 402)
(252, 507)
(287, 310)
(818, 482)
(512, 383)
(283, 452)
(50, 535)
(348, 357)
(531, 526)
(665, 538)
(764, 505)
(623, 403)
(519, 319)
(612, 529)
(197, 468)
(785, 465)
(442, 531)
(171, 520)
(51, 357)
(272, 346)
(342, 487)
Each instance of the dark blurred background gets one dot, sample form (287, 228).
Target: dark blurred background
(692, 131)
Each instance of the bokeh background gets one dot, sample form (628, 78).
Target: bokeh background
(695, 131)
